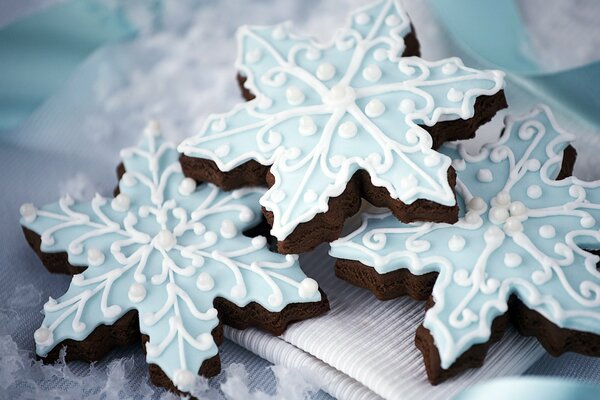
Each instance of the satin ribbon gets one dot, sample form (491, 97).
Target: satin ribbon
(492, 31)
(38, 53)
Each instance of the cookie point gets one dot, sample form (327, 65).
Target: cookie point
(28, 212)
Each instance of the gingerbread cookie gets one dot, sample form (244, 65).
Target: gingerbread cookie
(172, 253)
(329, 123)
(522, 250)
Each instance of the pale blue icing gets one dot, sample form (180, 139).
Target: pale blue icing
(325, 110)
(537, 254)
(270, 279)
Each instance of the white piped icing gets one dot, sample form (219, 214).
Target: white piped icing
(164, 248)
(455, 95)
(485, 175)
(357, 87)
(538, 249)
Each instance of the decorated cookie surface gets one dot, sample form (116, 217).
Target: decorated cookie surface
(164, 248)
(325, 110)
(521, 232)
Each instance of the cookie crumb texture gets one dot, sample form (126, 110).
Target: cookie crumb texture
(326, 124)
(164, 262)
(525, 251)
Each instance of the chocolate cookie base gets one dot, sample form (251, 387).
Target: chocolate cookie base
(327, 226)
(528, 322)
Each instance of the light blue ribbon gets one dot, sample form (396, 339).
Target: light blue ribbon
(492, 31)
(38, 53)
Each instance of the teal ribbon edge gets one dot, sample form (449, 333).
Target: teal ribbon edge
(492, 31)
(39, 53)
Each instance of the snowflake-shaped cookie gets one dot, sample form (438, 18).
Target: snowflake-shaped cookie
(167, 249)
(521, 232)
(324, 111)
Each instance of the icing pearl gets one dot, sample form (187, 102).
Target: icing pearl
(471, 217)
(455, 95)
(253, 56)
(512, 260)
(587, 221)
(228, 229)
(259, 242)
(205, 340)
(362, 18)
(547, 231)
(120, 203)
(476, 204)
(540, 277)
(526, 132)
(223, 150)
(187, 186)
(406, 106)
(449, 69)
(517, 209)
(336, 160)
(294, 96)
(431, 160)
(246, 215)
(325, 71)
(28, 212)
(94, 257)
(461, 277)
(219, 125)
(498, 215)
(128, 180)
(372, 73)
(264, 102)
(374, 108)
(238, 291)
(278, 33)
(392, 20)
(184, 379)
(307, 126)
(459, 165)
(199, 228)
(310, 196)
(313, 54)
(165, 240)
(485, 175)
(347, 130)
(152, 128)
(277, 195)
(534, 192)
(405, 68)
(513, 225)
(43, 336)
(205, 282)
(456, 243)
(136, 292)
(380, 55)
(408, 182)
(534, 165)
(502, 199)
(308, 288)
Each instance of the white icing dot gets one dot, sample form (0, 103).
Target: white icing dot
(246, 215)
(313, 54)
(205, 282)
(223, 150)
(128, 179)
(307, 126)
(540, 277)
(517, 209)
(165, 240)
(136, 292)
(152, 128)
(292, 153)
(294, 96)
(362, 18)
(534, 192)
(405, 68)
(449, 69)
(94, 257)
(43, 336)
(372, 73)
(219, 125)
(336, 160)
(485, 175)
(187, 186)
(513, 225)
(431, 160)
(238, 291)
(278, 33)
(526, 132)
(347, 130)
(587, 221)
(461, 277)
(456, 243)
(228, 229)
(120, 203)
(408, 182)
(253, 56)
(277, 195)
(476, 204)
(325, 71)
(547, 231)
(512, 260)
(472, 217)
(259, 242)
(374, 108)
(392, 20)
(380, 55)
(308, 288)
(533, 164)
(184, 379)
(576, 191)
(459, 165)
(28, 212)
(199, 228)
(502, 199)
(205, 340)
(310, 196)
(264, 102)
(498, 215)
(406, 106)
(455, 95)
